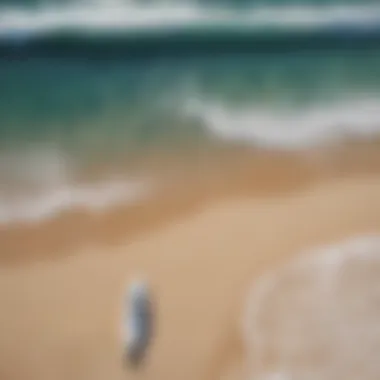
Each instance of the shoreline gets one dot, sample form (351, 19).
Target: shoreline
(200, 247)
(200, 271)
(186, 187)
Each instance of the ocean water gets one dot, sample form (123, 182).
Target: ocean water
(87, 84)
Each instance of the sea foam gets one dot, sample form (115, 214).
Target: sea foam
(317, 317)
(38, 183)
(290, 128)
(134, 15)
(92, 198)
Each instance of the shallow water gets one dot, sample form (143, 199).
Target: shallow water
(63, 115)
(317, 317)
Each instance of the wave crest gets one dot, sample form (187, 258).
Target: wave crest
(287, 128)
(133, 16)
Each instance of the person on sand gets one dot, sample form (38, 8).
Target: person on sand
(138, 323)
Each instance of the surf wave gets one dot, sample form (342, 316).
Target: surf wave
(287, 128)
(133, 17)
(317, 317)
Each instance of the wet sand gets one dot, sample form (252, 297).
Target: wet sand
(199, 245)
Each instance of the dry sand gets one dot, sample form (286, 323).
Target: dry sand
(60, 314)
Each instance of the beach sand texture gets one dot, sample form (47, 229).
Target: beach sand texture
(61, 315)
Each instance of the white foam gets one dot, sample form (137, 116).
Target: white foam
(283, 128)
(40, 181)
(132, 16)
(318, 316)
(94, 198)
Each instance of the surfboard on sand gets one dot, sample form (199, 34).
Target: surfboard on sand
(137, 323)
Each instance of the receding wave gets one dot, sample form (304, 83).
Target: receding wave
(290, 128)
(317, 317)
(92, 198)
(189, 26)
(40, 183)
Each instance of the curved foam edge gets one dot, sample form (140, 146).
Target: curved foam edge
(95, 198)
(283, 128)
(329, 258)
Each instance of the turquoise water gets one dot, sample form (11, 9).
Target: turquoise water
(118, 105)
(66, 103)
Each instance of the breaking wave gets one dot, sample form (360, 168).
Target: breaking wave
(289, 128)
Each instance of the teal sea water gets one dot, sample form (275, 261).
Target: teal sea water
(90, 83)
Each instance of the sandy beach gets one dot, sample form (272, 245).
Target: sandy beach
(226, 152)
(200, 250)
